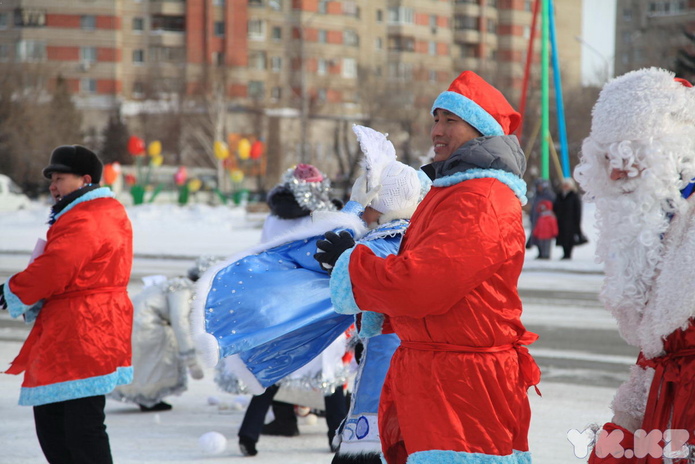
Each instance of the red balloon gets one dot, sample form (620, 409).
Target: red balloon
(257, 149)
(136, 146)
(181, 175)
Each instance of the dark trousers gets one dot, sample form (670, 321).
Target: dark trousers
(251, 426)
(73, 432)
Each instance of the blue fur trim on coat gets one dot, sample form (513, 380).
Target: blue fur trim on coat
(515, 183)
(83, 388)
(469, 111)
(341, 286)
(101, 192)
(371, 325)
(458, 457)
(353, 207)
(17, 308)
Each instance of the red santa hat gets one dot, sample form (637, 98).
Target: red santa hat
(478, 103)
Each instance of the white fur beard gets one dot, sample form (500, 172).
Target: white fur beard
(630, 244)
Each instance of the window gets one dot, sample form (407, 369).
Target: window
(276, 93)
(379, 43)
(400, 15)
(4, 20)
(275, 5)
(169, 23)
(173, 54)
(433, 23)
(322, 67)
(138, 89)
(257, 60)
(88, 54)
(491, 26)
(30, 50)
(401, 43)
(432, 48)
(379, 16)
(323, 36)
(321, 95)
(276, 64)
(27, 17)
(256, 89)
(432, 76)
(627, 14)
(4, 52)
(138, 56)
(323, 6)
(349, 68)
(350, 38)
(138, 24)
(277, 33)
(256, 29)
(468, 51)
(88, 85)
(218, 2)
(219, 28)
(255, 2)
(218, 58)
(462, 22)
(88, 22)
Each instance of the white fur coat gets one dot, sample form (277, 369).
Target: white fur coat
(671, 306)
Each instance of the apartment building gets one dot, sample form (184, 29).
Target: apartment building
(650, 33)
(286, 69)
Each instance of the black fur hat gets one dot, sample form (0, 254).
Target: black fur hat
(74, 159)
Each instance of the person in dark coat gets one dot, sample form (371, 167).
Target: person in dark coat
(568, 210)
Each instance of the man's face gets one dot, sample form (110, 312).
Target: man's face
(449, 132)
(63, 184)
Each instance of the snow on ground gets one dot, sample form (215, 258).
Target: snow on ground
(166, 236)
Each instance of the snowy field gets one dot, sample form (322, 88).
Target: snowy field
(167, 240)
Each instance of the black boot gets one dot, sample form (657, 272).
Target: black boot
(247, 446)
(283, 429)
(161, 406)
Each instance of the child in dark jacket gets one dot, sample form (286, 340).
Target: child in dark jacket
(546, 228)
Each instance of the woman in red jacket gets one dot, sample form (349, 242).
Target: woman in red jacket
(75, 293)
(456, 388)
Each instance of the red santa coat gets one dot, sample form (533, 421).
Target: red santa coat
(80, 343)
(459, 380)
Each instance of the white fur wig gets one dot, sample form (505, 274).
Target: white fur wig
(642, 123)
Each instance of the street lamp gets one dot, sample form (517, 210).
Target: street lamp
(607, 64)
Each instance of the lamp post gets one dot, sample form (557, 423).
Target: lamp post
(607, 65)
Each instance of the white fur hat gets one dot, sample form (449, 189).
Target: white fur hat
(642, 104)
(400, 192)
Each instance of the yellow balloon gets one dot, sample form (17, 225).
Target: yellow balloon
(157, 160)
(194, 185)
(244, 149)
(220, 149)
(154, 148)
(236, 175)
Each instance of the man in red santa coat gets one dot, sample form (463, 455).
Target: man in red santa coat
(637, 166)
(456, 390)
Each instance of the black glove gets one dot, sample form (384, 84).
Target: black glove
(330, 249)
(3, 303)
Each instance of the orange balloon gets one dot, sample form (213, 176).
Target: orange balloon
(110, 175)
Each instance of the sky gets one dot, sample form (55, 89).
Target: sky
(598, 41)
(167, 238)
